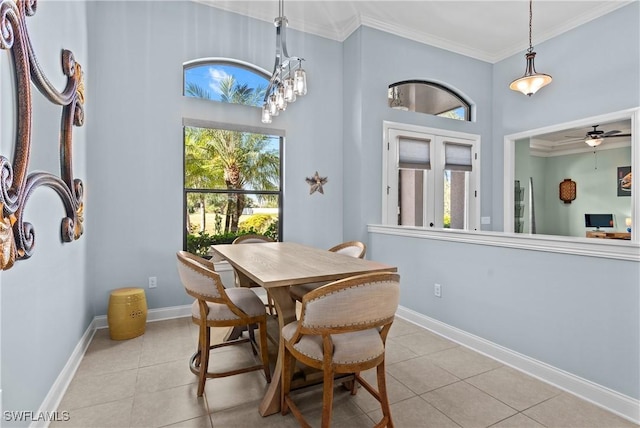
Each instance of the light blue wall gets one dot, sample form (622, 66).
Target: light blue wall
(45, 300)
(377, 59)
(578, 314)
(136, 151)
(132, 142)
(580, 87)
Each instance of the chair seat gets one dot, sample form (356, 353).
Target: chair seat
(243, 298)
(297, 291)
(349, 348)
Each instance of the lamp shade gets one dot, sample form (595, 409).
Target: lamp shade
(593, 142)
(532, 81)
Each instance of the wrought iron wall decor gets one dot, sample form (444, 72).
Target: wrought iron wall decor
(17, 237)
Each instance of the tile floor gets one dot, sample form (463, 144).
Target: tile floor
(432, 382)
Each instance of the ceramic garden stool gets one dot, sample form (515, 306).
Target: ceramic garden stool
(127, 314)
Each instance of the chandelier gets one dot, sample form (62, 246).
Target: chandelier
(532, 81)
(289, 80)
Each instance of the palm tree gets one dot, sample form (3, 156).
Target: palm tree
(232, 92)
(237, 159)
(199, 172)
(245, 162)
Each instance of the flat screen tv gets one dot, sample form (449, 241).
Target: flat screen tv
(598, 220)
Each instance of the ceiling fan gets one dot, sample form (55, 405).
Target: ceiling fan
(596, 137)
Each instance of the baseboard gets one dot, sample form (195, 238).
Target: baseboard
(606, 398)
(620, 404)
(152, 315)
(59, 387)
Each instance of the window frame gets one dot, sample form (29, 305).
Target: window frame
(466, 104)
(434, 184)
(186, 122)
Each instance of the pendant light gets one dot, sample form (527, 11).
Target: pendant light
(289, 80)
(532, 81)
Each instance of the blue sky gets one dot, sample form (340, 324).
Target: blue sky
(208, 77)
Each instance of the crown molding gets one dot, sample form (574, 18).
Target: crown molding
(541, 149)
(540, 37)
(342, 30)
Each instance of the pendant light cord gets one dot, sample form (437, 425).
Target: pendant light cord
(530, 20)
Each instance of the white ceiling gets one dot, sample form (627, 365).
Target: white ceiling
(486, 30)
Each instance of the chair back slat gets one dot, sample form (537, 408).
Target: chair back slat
(359, 301)
(199, 277)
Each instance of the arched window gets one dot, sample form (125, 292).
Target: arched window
(232, 171)
(225, 80)
(430, 98)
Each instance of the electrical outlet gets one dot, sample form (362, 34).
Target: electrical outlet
(153, 282)
(437, 290)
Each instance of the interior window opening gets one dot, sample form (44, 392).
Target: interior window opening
(429, 98)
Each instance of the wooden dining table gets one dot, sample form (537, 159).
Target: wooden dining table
(278, 265)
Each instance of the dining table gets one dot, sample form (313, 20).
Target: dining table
(278, 265)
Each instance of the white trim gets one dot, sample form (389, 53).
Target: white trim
(153, 315)
(56, 392)
(602, 248)
(544, 151)
(341, 32)
(620, 404)
(59, 387)
(613, 401)
(433, 207)
(226, 61)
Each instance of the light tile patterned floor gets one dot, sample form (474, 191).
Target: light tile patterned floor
(432, 382)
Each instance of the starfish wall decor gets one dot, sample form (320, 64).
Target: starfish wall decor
(316, 182)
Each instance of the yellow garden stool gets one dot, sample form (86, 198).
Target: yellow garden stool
(127, 314)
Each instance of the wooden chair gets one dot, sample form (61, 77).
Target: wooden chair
(350, 248)
(216, 306)
(342, 329)
(246, 282)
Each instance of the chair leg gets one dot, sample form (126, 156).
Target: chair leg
(271, 304)
(264, 351)
(327, 397)
(354, 384)
(205, 342)
(382, 391)
(252, 336)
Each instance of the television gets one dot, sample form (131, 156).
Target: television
(598, 220)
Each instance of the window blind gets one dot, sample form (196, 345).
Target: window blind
(457, 157)
(414, 154)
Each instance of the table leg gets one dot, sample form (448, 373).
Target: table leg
(286, 310)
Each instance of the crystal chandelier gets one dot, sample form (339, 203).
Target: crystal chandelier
(532, 80)
(289, 80)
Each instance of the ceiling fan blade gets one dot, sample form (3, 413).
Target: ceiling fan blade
(616, 135)
(608, 133)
